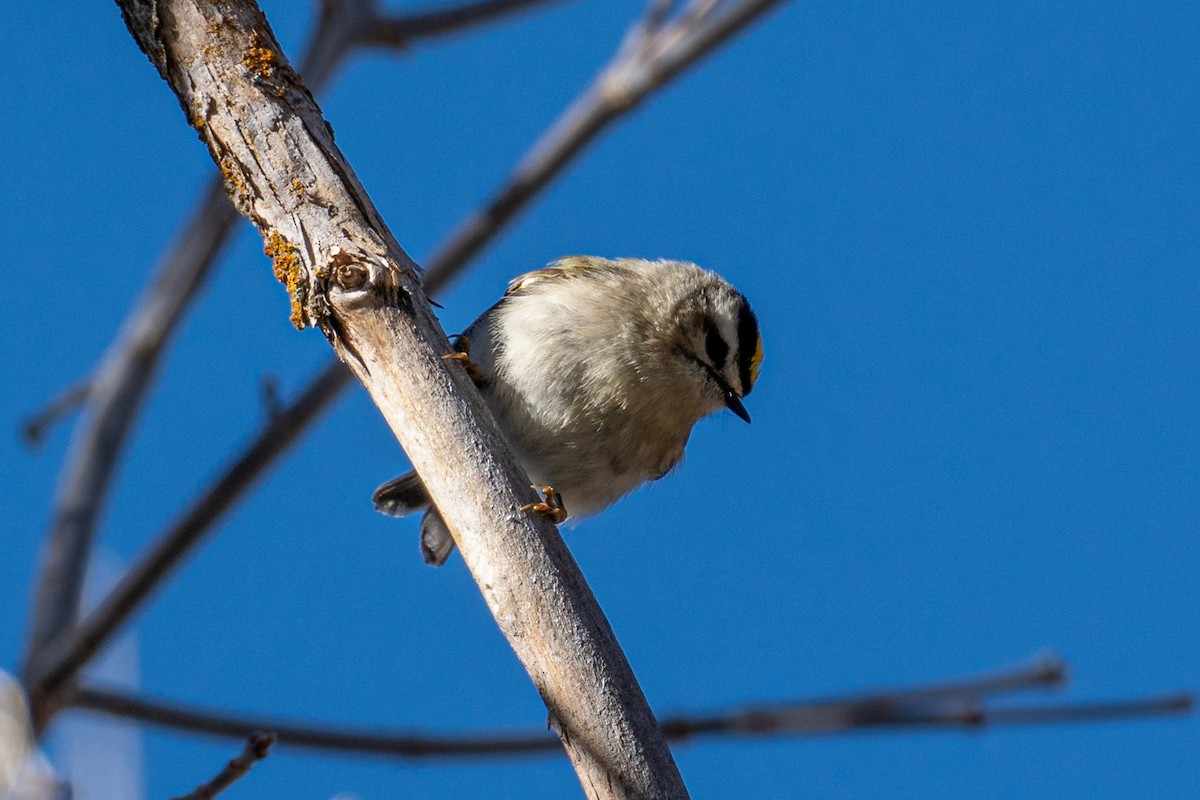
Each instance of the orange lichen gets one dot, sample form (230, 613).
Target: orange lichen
(290, 273)
(259, 58)
(236, 185)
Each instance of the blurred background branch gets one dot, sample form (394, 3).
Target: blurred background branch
(664, 51)
(116, 388)
(57, 666)
(963, 705)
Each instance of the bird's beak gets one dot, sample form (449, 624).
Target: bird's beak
(734, 404)
(732, 401)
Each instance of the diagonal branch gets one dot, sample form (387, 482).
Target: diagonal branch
(347, 275)
(584, 120)
(126, 371)
(115, 394)
(659, 53)
(960, 704)
(63, 661)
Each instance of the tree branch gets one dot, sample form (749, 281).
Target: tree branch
(545, 159)
(258, 745)
(960, 704)
(347, 275)
(115, 393)
(63, 661)
(64, 403)
(399, 30)
(656, 56)
(126, 371)
(128, 367)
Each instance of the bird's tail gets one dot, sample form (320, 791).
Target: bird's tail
(400, 497)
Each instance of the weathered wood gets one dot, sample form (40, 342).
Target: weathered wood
(346, 274)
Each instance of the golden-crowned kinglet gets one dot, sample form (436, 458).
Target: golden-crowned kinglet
(596, 371)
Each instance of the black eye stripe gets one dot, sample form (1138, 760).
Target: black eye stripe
(714, 345)
(747, 345)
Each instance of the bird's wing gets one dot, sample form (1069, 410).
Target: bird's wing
(562, 269)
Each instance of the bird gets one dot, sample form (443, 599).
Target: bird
(596, 371)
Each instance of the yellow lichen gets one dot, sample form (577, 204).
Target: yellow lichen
(290, 273)
(259, 58)
(235, 185)
(233, 179)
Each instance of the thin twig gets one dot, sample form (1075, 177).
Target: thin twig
(1181, 703)
(258, 745)
(884, 711)
(953, 704)
(585, 118)
(1044, 671)
(128, 367)
(399, 30)
(68, 400)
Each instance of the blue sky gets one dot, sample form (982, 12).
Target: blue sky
(971, 236)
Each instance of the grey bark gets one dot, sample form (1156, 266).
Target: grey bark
(347, 274)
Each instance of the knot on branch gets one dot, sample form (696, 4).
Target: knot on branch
(361, 280)
(349, 273)
(353, 283)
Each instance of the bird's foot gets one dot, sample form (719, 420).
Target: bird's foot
(552, 506)
(462, 354)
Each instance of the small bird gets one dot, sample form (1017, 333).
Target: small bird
(596, 370)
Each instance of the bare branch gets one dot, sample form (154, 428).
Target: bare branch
(69, 400)
(116, 391)
(128, 367)
(635, 73)
(63, 661)
(399, 30)
(955, 704)
(542, 163)
(898, 710)
(1044, 671)
(346, 274)
(1181, 703)
(258, 745)
(319, 737)
(124, 376)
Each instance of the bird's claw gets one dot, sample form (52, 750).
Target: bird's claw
(462, 354)
(552, 506)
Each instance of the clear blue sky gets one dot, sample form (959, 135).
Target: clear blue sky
(971, 234)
